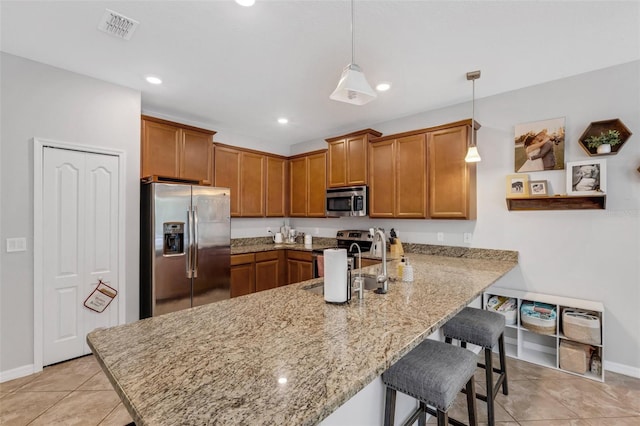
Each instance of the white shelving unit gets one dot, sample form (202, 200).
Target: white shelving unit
(544, 349)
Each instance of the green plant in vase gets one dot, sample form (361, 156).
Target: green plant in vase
(604, 141)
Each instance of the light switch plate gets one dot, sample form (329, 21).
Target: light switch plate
(16, 244)
(440, 236)
(467, 236)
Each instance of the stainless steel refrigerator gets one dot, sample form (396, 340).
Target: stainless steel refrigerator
(185, 237)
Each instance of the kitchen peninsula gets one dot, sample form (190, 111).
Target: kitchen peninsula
(284, 356)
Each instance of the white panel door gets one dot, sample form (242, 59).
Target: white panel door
(80, 199)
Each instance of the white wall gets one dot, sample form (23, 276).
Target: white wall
(586, 254)
(42, 101)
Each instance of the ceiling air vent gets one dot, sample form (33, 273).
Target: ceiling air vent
(117, 25)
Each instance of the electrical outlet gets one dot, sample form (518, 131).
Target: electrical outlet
(467, 237)
(16, 244)
(440, 236)
(316, 231)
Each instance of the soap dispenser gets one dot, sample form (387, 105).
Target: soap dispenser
(407, 272)
(401, 266)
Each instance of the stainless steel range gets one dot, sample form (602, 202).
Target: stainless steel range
(344, 240)
(362, 238)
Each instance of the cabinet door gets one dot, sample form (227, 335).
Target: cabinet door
(317, 185)
(276, 187)
(337, 163)
(305, 271)
(411, 177)
(242, 279)
(227, 174)
(161, 146)
(299, 270)
(266, 275)
(382, 172)
(451, 179)
(298, 187)
(197, 157)
(251, 185)
(357, 160)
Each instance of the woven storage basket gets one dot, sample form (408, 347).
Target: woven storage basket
(581, 326)
(575, 357)
(538, 317)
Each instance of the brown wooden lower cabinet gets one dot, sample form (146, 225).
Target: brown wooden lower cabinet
(299, 266)
(267, 270)
(243, 274)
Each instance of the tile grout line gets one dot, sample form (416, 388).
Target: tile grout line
(49, 408)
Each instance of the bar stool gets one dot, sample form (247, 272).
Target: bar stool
(433, 373)
(482, 328)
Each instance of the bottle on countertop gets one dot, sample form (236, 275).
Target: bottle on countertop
(407, 272)
(401, 266)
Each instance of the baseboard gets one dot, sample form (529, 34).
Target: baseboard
(627, 370)
(16, 373)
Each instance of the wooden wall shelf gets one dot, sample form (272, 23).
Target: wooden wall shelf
(584, 202)
(597, 127)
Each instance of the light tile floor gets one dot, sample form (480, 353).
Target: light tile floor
(78, 393)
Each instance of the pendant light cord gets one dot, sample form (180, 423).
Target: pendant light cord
(473, 112)
(353, 49)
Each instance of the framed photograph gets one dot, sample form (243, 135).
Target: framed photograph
(517, 186)
(587, 177)
(539, 146)
(538, 188)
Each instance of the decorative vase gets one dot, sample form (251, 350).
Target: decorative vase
(605, 148)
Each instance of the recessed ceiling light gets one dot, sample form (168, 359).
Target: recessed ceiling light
(153, 79)
(283, 120)
(383, 87)
(246, 3)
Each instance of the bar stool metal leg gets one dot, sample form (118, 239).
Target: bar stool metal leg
(503, 365)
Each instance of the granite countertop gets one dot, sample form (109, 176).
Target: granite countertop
(225, 363)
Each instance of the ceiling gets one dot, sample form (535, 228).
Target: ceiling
(237, 69)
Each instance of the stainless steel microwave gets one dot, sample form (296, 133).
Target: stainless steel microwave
(348, 201)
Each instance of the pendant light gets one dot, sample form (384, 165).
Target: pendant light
(472, 154)
(353, 87)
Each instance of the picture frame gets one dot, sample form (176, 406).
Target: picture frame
(538, 188)
(539, 145)
(517, 186)
(587, 177)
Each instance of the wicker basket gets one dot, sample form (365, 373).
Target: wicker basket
(575, 357)
(538, 317)
(581, 326)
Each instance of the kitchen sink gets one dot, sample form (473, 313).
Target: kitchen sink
(370, 283)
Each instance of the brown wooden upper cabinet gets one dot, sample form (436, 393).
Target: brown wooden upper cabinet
(257, 181)
(307, 184)
(176, 151)
(276, 187)
(398, 177)
(422, 174)
(452, 181)
(347, 158)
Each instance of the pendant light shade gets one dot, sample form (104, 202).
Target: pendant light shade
(353, 87)
(473, 156)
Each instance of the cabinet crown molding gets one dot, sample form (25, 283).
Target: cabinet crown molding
(372, 132)
(175, 123)
(466, 122)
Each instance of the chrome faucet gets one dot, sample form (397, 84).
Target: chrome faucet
(383, 279)
(358, 279)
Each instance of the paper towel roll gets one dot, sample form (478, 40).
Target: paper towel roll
(336, 289)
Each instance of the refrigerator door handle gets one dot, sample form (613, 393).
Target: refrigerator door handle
(190, 236)
(195, 242)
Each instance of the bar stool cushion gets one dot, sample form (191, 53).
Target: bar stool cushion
(476, 326)
(433, 372)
